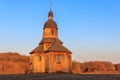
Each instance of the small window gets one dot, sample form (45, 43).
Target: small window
(52, 32)
(39, 58)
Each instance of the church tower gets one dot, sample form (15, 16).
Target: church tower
(50, 56)
(50, 27)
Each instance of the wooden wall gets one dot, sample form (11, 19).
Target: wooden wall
(49, 62)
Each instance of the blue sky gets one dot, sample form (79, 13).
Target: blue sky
(89, 28)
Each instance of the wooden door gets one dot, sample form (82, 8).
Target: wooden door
(58, 67)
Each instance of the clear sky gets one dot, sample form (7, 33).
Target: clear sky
(89, 28)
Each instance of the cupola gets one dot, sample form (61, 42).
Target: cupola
(50, 29)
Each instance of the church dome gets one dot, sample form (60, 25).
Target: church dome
(50, 24)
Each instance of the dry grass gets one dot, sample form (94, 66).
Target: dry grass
(14, 63)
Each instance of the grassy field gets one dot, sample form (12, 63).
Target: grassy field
(61, 77)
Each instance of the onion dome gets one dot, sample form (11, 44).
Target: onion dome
(50, 13)
(50, 23)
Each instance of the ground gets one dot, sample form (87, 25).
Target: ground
(61, 77)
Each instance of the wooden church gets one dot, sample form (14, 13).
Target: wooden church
(50, 56)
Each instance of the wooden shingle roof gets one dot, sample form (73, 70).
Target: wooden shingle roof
(50, 24)
(56, 46)
(49, 40)
(37, 49)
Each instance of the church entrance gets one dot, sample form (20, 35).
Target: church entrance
(59, 64)
(59, 67)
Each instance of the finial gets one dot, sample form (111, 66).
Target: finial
(50, 14)
(51, 6)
